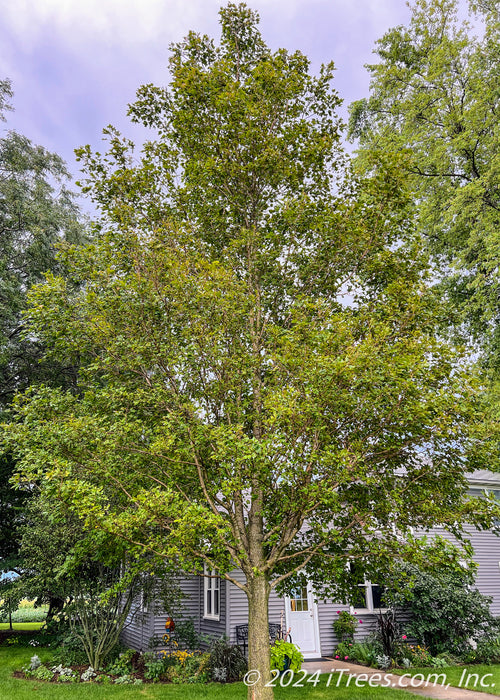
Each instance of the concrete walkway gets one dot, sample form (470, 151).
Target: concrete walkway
(363, 676)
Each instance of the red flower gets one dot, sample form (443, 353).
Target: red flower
(345, 658)
(404, 636)
(338, 612)
(361, 622)
(337, 657)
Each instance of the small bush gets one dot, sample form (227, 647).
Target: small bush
(486, 652)
(345, 626)
(88, 674)
(70, 651)
(364, 653)
(126, 679)
(123, 664)
(35, 662)
(69, 679)
(194, 668)
(155, 669)
(186, 635)
(223, 655)
(446, 612)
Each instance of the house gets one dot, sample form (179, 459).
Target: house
(217, 607)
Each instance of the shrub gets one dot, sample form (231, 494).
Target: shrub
(343, 651)
(226, 661)
(345, 626)
(126, 679)
(69, 679)
(486, 652)
(363, 652)
(103, 678)
(70, 650)
(191, 668)
(446, 613)
(35, 662)
(155, 668)
(122, 665)
(285, 655)
(27, 613)
(186, 635)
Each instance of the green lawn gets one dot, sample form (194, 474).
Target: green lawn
(12, 658)
(468, 677)
(21, 625)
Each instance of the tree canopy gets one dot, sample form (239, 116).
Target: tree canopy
(37, 212)
(261, 383)
(433, 103)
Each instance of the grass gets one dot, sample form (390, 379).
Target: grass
(12, 658)
(21, 625)
(468, 677)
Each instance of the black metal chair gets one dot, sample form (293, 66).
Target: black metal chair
(242, 635)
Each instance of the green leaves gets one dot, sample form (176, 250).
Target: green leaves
(433, 106)
(262, 382)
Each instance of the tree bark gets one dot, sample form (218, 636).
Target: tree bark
(258, 638)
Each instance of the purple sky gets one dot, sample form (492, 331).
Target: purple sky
(75, 64)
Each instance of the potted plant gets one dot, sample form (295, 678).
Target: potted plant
(285, 655)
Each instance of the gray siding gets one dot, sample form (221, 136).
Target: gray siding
(487, 555)
(327, 612)
(138, 629)
(234, 606)
(189, 610)
(239, 606)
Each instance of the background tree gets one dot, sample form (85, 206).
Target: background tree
(263, 384)
(434, 102)
(37, 212)
(88, 579)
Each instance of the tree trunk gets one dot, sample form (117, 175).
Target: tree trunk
(56, 605)
(258, 639)
(10, 616)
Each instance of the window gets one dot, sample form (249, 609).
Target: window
(211, 589)
(366, 595)
(298, 599)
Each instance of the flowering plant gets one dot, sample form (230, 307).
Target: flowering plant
(345, 626)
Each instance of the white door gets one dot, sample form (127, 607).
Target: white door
(302, 618)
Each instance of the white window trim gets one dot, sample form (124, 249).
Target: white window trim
(211, 583)
(369, 609)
